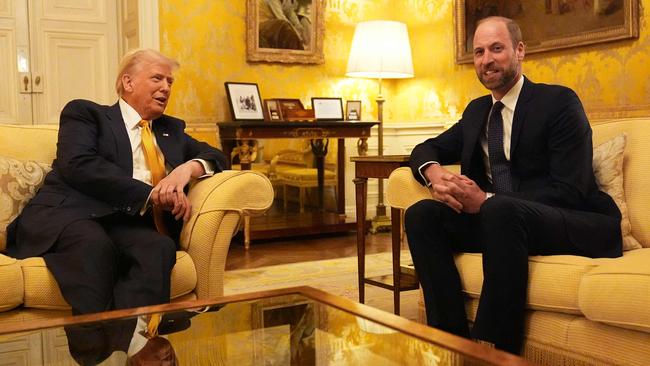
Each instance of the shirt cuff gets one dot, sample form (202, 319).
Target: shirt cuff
(422, 168)
(208, 167)
(145, 207)
(488, 195)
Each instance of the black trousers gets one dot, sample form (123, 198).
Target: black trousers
(506, 231)
(114, 262)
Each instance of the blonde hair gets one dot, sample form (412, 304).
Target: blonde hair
(134, 60)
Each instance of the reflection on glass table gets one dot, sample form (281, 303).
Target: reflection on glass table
(294, 326)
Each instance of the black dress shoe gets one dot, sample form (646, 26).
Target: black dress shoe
(157, 351)
(177, 321)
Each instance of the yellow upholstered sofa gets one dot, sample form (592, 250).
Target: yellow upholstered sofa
(28, 290)
(582, 311)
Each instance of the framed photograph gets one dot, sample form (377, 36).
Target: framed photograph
(353, 110)
(286, 31)
(272, 108)
(574, 23)
(328, 108)
(244, 101)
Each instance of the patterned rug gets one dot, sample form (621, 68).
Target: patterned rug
(336, 276)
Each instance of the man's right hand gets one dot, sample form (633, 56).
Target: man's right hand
(439, 176)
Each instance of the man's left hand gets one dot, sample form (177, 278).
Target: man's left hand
(169, 194)
(465, 191)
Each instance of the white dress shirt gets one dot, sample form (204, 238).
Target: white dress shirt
(140, 170)
(509, 103)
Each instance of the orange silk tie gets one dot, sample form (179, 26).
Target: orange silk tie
(156, 167)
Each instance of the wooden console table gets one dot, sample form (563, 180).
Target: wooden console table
(241, 133)
(379, 167)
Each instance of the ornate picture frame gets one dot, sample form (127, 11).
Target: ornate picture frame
(574, 23)
(274, 34)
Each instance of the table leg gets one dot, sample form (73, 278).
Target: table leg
(319, 148)
(340, 177)
(396, 246)
(361, 189)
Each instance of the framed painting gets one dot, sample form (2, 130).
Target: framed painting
(286, 31)
(574, 22)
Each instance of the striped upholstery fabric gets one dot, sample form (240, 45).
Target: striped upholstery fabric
(42, 291)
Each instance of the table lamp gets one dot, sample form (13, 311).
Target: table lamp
(380, 50)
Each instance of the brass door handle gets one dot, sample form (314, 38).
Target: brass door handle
(26, 82)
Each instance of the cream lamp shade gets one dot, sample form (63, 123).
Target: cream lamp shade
(380, 50)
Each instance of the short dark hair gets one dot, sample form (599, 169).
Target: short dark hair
(513, 28)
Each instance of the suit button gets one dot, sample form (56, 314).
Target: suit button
(92, 216)
(128, 209)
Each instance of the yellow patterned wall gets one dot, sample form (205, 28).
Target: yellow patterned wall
(209, 40)
(612, 79)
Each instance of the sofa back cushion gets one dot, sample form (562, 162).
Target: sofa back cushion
(19, 181)
(36, 143)
(636, 169)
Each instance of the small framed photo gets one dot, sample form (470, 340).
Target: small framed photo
(328, 108)
(353, 110)
(272, 108)
(244, 101)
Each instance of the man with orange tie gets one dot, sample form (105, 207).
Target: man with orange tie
(108, 217)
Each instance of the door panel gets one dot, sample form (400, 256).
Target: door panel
(74, 51)
(77, 66)
(8, 80)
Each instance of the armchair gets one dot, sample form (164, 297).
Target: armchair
(27, 288)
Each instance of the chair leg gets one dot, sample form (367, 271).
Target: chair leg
(247, 232)
(302, 199)
(284, 196)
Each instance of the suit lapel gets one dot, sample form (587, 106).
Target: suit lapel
(477, 126)
(163, 133)
(518, 120)
(122, 142)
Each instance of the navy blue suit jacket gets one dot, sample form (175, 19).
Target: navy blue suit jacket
(92, 175)
(550, 156)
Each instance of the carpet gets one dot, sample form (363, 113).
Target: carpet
(336, 276)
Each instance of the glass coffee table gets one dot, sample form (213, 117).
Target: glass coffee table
(293, 326)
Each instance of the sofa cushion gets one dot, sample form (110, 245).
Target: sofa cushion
(553, 280)
(618, 292)
(19, 181)
(42, 291)
(608, 169)
(11, 283)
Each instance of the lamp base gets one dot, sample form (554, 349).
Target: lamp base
(380, 223)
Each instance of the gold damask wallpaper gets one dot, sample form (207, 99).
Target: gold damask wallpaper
(209, 40)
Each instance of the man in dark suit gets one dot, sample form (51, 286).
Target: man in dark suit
(526, 188)
(92, 220)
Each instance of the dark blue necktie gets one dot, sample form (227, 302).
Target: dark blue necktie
(499, 165)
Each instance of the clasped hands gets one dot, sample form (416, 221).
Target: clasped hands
(455, 190)
(169, 193)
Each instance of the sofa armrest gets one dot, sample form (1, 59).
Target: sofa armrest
(403, 190)
(218, 204)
